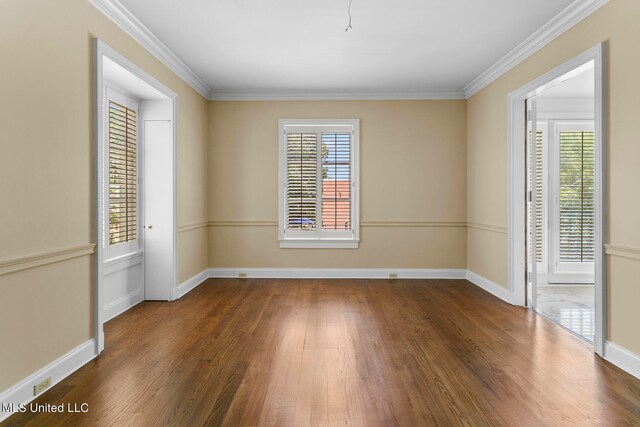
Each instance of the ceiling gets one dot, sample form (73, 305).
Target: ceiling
(299, 46)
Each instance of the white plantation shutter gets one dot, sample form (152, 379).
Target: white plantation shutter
(302, 181)
(539, 197)
(336, 181)
(318, 197)
(123, 174)
(577, 197)
(539, 230)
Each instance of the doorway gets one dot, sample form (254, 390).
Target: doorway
(561, 202)
(135, 178)
(556, 193)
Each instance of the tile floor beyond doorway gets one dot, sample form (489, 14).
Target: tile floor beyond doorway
(571, 306)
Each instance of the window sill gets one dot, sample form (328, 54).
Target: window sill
(121, 258)
(319, 244)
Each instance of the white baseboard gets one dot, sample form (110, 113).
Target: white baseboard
(316, 273)
(622, 358)
(22, 392)
(189, 284)
(489, 286)
(345, 273)
(337, 273)
(123, 304)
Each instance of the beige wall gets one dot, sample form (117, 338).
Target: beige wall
(616, 24)
(192, 183)
(412, 169)
(46, 168)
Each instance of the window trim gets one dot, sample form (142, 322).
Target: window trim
(328, 242)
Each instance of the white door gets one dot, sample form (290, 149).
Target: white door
(158, 209)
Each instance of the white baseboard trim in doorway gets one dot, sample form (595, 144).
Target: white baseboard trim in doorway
(489, 286)
(23, 392)
(191, 283)
(316, 273)
(343, 273)
(621, 357)
(123, 304)
(337, 273)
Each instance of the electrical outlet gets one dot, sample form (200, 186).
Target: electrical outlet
(42, 386)
(242, 275)
(393, 275)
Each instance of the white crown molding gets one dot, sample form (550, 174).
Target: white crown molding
(121, 16)
(334, 96)
(570, 16)
(574, 13)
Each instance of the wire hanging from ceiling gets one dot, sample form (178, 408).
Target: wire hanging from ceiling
(349, 27)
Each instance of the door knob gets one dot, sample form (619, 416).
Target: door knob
(149, 227)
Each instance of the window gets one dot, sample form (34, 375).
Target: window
(318, 183)
(122, 173)
(573, 200)
(577, 197)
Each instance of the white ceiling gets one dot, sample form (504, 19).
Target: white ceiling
(298, 46)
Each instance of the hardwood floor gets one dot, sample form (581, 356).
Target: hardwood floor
(341, 352)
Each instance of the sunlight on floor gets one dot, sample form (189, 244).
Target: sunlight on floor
(571, 306)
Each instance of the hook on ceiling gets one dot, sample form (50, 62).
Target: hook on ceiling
(349, 27)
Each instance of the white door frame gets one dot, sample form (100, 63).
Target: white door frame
(102, 50)
(531, 129)
(516, 180)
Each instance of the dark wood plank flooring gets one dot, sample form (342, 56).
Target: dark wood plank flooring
(341, 352)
